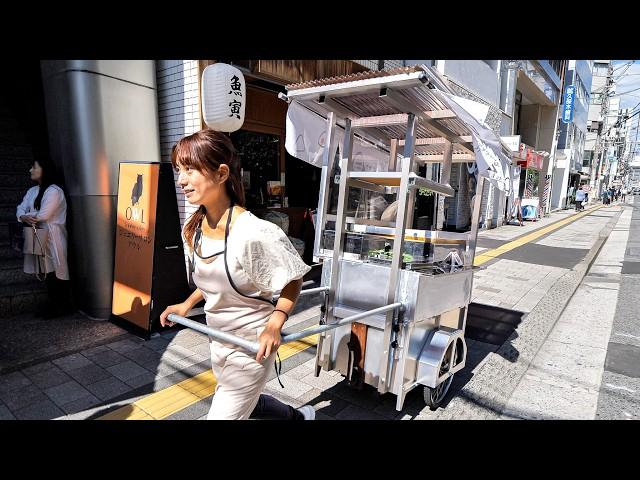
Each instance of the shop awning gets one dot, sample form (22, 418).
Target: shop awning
(529, 158)
(378, 105)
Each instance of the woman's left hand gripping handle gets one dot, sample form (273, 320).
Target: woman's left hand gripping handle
(270, 340)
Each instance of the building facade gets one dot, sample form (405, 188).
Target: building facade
(157, 103)
(523, 97)
(571, 168)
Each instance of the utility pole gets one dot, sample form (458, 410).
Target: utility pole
(600, 152)
(635, 141)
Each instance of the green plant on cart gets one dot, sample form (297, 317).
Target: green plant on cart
(385, 254)
(425, 192)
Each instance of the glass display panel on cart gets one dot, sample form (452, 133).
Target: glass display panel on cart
(362, 204)
(370, 226)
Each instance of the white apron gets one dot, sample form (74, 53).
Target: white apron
(240, 378)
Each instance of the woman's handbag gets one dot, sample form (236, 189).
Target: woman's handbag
(35, 243)
(35, 240)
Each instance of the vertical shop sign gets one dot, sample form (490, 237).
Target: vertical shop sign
(567, 105)
(135, 231)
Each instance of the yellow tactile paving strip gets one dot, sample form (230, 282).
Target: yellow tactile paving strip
(166, 402)
(496, 252)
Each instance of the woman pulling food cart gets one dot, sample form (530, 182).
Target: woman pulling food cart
(238, 262)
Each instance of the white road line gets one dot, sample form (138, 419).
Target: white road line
(617, 387)
(627, 335)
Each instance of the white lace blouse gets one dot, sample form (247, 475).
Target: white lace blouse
(261, 261)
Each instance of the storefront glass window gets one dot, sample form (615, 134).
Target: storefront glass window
(260, 159)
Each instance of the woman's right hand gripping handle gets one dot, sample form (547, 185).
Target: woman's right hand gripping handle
(180, 308)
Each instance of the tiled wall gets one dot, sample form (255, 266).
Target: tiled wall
(178, 111)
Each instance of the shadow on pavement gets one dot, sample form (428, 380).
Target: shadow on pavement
(27, 339)
(490, 324)
(344, 402)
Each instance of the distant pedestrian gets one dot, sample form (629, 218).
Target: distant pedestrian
(623, 192)
(605, 197)
(516, 211)
(580, 196)
(570, 197)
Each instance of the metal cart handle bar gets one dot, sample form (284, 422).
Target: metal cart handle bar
(254, 346)
(309, 291)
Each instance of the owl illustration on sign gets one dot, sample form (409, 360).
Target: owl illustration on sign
(136, 192)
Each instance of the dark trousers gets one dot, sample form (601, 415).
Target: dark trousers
(59, 293)
(269, 408)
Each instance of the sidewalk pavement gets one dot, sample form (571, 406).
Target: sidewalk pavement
(563, 380)
(115, 368)
(620, 385)
(487, 394)
(510, 282)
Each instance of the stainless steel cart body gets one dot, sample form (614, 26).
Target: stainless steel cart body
(408, 113)
(430, 325)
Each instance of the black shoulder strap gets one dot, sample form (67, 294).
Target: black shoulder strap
(196, 240)
(226, 265)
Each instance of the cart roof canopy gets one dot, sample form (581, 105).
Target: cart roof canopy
(378, 104)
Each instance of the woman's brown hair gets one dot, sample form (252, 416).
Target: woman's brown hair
(205, 151)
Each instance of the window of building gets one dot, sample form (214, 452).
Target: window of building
(581, 91)
(260, 160)
(600, 69)
(516, 113)
(593, 126)
(557, 66)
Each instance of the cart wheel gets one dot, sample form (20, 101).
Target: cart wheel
(433, 397)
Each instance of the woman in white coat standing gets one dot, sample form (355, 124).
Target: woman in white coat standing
(238, 263)
(44, 205)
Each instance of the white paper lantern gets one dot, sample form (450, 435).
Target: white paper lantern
(224, 97)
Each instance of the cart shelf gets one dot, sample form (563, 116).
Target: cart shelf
(392, 179)
(361, 221)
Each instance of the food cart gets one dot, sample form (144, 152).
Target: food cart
(395, 298)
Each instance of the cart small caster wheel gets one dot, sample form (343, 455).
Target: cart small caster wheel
(433, 397)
